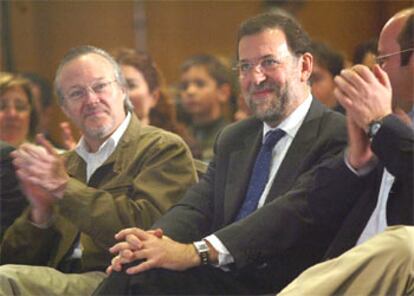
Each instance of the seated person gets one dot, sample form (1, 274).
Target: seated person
(205, 91)
(246, 227)
(328, 64)
(18, 117)
(152, 104)
(121, 174)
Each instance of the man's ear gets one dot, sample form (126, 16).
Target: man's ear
(224, 92)
(306, 62)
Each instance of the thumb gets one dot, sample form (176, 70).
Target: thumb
(41, 140)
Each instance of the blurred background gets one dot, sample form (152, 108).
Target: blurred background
(36, 34)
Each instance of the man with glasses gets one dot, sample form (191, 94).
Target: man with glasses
(245, 228)
(377, 173)
(120, 175)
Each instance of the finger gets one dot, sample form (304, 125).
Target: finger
(109, 270)
(146, 265)
(342, 99)
(158, 232)
(41, 140)
(139, 233)
(127, 254)
(353, 80)
(134, 241)
(116, 263)
(382, 76)
(343, 85)
(364, 73)
(117, 248)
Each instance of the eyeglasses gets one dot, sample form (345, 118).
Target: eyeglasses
(102, 88)
(18, 105)
(267, 64)
(382, 58)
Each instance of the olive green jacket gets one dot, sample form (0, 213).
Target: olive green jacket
(148, 172)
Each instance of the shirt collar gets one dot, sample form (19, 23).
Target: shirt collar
(291, 124)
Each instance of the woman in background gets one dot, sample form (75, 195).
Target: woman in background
(18, 117)
(151, 103)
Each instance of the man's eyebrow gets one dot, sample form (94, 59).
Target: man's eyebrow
(260, 58)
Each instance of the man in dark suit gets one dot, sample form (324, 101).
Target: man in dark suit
(376, 175)
(12, 200)
(378, 169)
(245, 246)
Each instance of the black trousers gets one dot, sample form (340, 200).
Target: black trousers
(203, 280)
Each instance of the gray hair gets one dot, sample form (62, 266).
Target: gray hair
(77, 52)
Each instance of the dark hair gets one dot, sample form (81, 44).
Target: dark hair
(327, 57)
(46, 92)
(362, 49)
(9, 81)
(406, 39)
(297, 39)
(215, 68)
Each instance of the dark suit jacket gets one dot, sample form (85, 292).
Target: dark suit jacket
(339, 187)
(280, 236)
(12, 200)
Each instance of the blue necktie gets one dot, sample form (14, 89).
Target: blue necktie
(260, 174)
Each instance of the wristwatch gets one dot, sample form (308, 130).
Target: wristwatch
(202, 250)
(373, 128)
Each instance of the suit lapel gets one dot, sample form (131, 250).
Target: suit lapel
(240, 165)
(301, 144)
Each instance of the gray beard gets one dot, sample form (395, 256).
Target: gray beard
(277, 110)
(99, 133)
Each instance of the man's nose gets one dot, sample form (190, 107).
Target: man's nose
(91, 96)
(257, 75)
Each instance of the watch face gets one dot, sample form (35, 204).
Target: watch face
(373, 128)
(201, 246)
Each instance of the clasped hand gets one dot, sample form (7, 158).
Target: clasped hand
(155, 249)
(41, 172)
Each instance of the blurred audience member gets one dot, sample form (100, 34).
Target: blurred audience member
(243, 111)
(328, 64)
(12, 201)
(151, 102)
(18, 117)
(205, 92)
(365, 53)
(43, 100)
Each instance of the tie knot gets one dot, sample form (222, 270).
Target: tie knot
(272, 137)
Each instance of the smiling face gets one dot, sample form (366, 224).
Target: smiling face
(98, 113)
(139, 93)
(273, 92)
(14, 116)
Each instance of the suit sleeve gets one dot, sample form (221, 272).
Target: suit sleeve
(394, 145)
(190, 219)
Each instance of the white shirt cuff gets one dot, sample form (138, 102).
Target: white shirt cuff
(365, 170)
(224, 256)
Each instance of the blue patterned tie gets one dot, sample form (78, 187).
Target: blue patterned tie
(260, 174)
